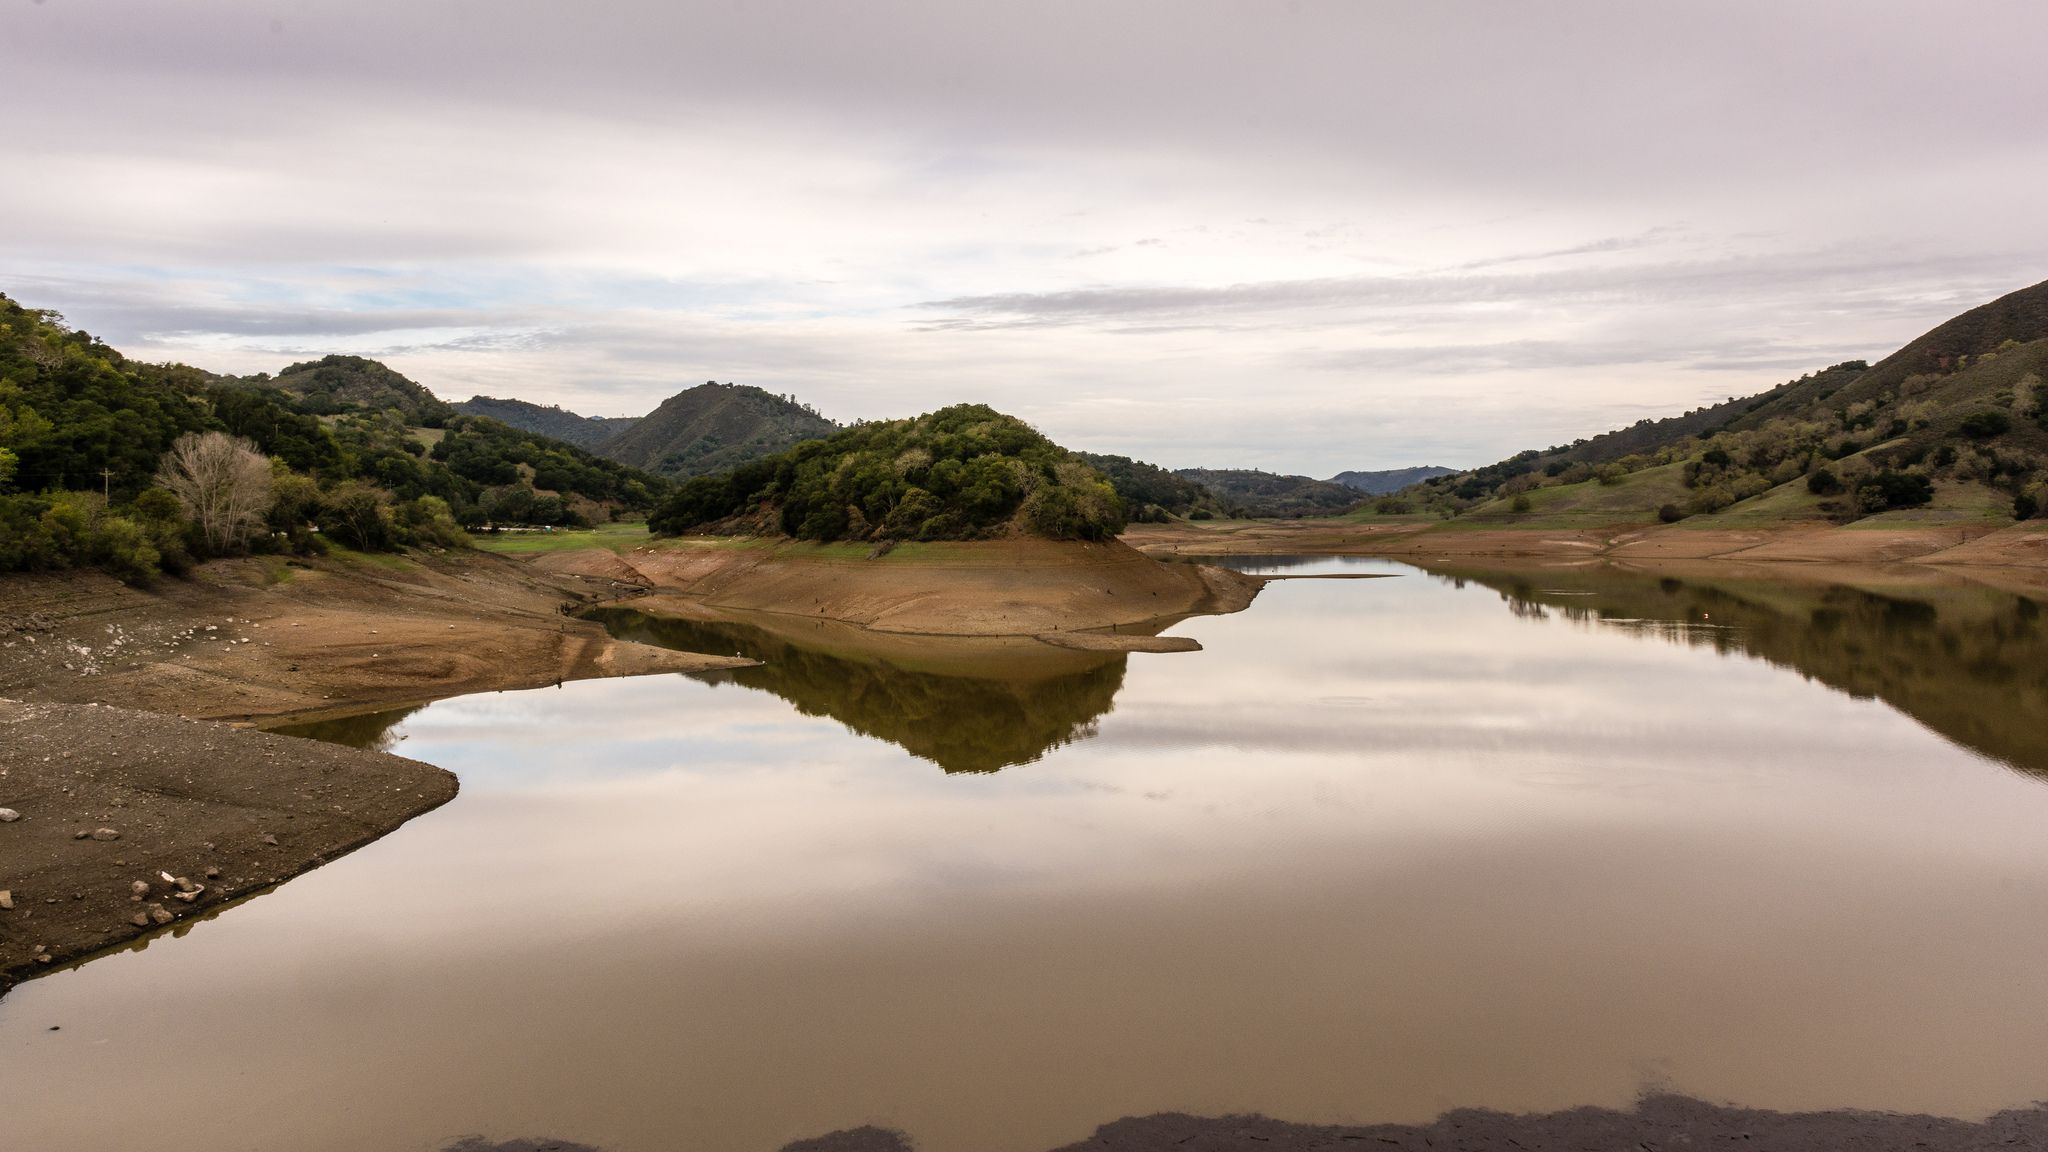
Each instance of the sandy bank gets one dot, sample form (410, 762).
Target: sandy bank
(231, 811)
(984, 588)
(260, 637)
(2017, 546)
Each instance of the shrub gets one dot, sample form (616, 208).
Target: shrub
(1986, 424)
(1670, 513)
(1890, 489)
(1521, 503)
(1822, 482)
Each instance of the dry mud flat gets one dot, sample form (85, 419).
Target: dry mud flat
(261, 637)
(983, 588)
(109, 801)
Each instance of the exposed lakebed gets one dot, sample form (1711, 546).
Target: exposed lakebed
(1523, 840)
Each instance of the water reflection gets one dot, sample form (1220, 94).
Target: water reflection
(1966, 660)
(984, 710)
(377, 731)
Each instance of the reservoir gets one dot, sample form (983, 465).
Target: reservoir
(1522, 839)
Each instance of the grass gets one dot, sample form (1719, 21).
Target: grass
(608, 536)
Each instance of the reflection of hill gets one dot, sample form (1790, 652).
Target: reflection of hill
(1969, 662)
(372, 730)
(978, 716)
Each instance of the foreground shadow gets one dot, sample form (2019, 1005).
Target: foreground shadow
(965, 704)
(1970, 662)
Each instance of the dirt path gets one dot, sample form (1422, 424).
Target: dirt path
(108, 799)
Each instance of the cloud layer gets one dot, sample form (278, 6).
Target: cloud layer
(1304, 236)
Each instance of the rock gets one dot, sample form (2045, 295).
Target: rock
(44, 958)
(188, 897)
(139, 888)
(140, 919)
(185, 885)
(6, 900)
(212, 873)
(160, 915)
(9, 815)
(81, 834)
(269, 839)
(105, 834)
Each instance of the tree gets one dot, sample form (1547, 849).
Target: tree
(223, 482)
(7, 465)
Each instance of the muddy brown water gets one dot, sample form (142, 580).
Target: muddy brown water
(1384, 848)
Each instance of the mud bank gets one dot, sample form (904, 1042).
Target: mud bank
(984, 588)
(110, 798)
(261, 637)
(2019, 551)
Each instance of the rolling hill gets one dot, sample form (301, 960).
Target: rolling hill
(1249, 492)
(714, 427)
(586, 432)
(966, 472)
(1388, 480)
(1951, 427)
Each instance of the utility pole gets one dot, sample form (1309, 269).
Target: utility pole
(107, 485)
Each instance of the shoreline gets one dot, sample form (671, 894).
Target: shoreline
(110, 801)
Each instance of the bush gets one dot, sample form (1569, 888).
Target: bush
(1670, 513)
(1986, 424)
(1521, 503)
(1889, 489)
(1822, 482)
(2024, 507)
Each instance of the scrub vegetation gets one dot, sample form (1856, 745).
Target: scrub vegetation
(142, 469)
(966, 472)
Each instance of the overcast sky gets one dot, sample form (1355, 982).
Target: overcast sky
(1303, 236)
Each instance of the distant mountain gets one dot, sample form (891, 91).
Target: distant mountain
(714, 427)
(1952, 427)
(1264, 494)
(586, 432)
(335, 384)
(1388, 480)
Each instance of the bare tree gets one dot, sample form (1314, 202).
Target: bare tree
(224, 484)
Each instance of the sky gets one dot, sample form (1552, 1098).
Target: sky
(1303, 236)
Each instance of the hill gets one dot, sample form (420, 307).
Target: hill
(1388, 480)
(714, 427)
(1151, 494)
(586, 432)
(1951, 427)
(335, 384)
(356, 454)
(966, 472)
(1263, 494)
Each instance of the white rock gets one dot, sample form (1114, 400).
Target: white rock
(9, 815)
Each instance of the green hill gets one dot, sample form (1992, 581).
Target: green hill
(1951, 427)
(714, 427)
(1151, 493)
(961, 473)
(358, 455)
(335, 384)
(586, 432)
(1249, 492)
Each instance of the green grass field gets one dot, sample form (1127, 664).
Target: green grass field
(612, 536)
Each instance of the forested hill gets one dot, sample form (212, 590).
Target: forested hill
(586, 432)
(714, 427)
(1152, 494)
(342, 450)
(1388, 480)
(1264, 494)
(335, 384)
(1953, 426)
(961, 473)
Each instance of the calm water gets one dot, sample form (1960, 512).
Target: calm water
(1385, 847)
